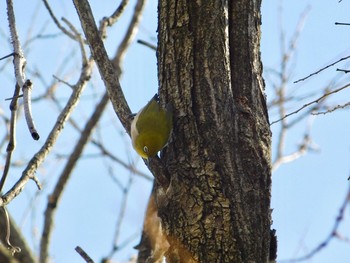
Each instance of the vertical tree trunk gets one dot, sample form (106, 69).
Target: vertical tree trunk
(217, 206)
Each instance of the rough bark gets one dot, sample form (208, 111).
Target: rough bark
(217, 205)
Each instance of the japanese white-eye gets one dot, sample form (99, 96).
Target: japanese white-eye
(151, 128)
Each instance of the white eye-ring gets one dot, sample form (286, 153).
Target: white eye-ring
(145, 149)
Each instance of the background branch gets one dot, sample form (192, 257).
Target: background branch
(84, 255)
(106, 69)
(333, 234)
(111, 20)
(58, 24)
(19, 64)
(12, 136)
(78, 149)
(65, 176)
(319, 99)
(40, 156)
(322, 69)
(17, 240)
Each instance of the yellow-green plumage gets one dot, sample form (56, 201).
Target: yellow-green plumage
(151, 128)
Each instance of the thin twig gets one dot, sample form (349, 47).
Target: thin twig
(111, 20)
(58, 24)
(13, 249)
(322, 69)
(283, 76)
(39, 157)
(27, 91)
(293, 156)
(129, 167)
(332, 109)
(342, 24)
(128, 240)
(16, 238)
(84, 255)
(127, 39)
(130, 34)
(69, 167)
(19, 65)
(332, 234)
(17, 97)
(7, 56)
(311, 102)
(111, 81)
(12, 136)
(65, 176)
(104, 151)
(63, 81)
(80, 40)
(343, 70)
(121, 215)
(123, 244)
(305, 114)
(147, 44)
(62, 182)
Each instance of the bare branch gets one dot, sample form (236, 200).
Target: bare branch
(281, 97)
(62, 81)
(39, 157)
(19, 64)
(65, 176)
(312, 102)
(343, 70)
(111, 80)
(121, 215)
(107, 71)
(58, 24)
(7, 56)
(145, 43)
(84, 255)
(332, 109)
(27, 91)
(129, 167)
(19, 59)
(322, 69)
(104, 151)
(342, 24)
(154, 241)
(130, 34)
(293, 156)
(55, 196)
(109, 21)
(80, 41)
(332, 234)
(12, 136)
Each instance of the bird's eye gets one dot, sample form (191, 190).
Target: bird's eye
(145, 149)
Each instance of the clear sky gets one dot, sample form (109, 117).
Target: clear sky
(306, 193)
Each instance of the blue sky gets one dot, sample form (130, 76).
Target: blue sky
(306, 194)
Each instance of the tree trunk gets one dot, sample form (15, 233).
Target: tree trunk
(217, 205)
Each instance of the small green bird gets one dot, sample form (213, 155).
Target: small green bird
(151, 128)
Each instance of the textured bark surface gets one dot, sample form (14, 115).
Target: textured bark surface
(217, 205)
